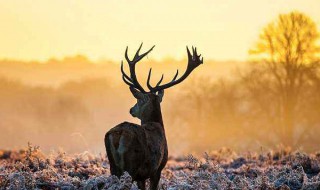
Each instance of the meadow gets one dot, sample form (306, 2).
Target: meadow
(223, 169)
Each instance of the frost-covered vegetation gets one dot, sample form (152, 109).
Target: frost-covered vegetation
(223, 169)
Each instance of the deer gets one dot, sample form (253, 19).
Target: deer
(141, 150)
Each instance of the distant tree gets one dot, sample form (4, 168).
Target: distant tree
(289, 49)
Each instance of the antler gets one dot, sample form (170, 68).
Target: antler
(193, 62)
(132, 80)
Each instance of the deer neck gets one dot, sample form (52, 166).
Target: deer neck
(152, 115)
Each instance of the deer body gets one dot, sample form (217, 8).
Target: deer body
(141, 150)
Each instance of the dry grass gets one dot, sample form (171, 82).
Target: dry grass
(223, 169)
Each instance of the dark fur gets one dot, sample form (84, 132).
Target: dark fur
(146, 151)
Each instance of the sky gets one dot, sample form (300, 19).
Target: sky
(101, 29)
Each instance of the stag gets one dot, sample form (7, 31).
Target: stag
(141, 150)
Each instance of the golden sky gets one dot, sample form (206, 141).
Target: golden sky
(221, 29)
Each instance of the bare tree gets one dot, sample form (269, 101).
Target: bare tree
(289, 50)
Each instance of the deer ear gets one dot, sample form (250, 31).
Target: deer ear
(161, 94)
(136, 93)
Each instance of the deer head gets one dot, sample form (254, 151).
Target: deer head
(145, 103)
(149, 102)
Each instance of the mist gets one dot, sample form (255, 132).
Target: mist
(71, 103)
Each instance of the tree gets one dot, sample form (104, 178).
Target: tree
(289, 49)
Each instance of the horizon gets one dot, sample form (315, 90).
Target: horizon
(105, 59)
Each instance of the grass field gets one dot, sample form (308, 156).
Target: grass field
(223, 169)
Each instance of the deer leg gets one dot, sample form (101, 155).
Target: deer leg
(141, 184)
(111, 155)
(154, 181)
(114, 170)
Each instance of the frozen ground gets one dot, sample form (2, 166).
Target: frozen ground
(30, 169)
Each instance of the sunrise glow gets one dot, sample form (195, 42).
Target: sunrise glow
(223, 30)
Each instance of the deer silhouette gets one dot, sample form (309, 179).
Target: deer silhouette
(142, 150)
